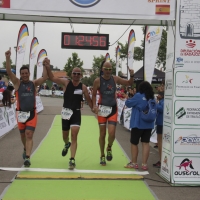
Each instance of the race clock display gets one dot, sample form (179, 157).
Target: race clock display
(85, 41)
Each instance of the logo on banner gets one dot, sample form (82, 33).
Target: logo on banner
(179, 61)
(186, 169)
(167, 112)
(191, 113)
(180, 113)
(165, 165)
(166, 137)
(168, 85)
(21, 48)
(130, 54)
(85, 3)
(188, 140)
(190, 44)
(39, 64)
(33, 55)
(187, 80)
(127, 115)
(152, 36)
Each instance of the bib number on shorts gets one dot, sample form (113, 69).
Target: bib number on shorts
(66, 113)
(23, 116)
(104, 111)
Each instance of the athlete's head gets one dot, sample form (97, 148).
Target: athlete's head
(107, 68)
(76, 74)
(24, 73)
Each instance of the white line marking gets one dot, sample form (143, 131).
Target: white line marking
(73, 171)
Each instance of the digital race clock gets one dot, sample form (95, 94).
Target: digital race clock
(85, 41)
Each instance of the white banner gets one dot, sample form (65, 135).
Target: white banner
(130, 57)
(39, 105)
(152, 43)
(21, 48)
(117, 60)
(127, 117)
(32, 56)
(93, 9)
(41, 56)
(120, 106)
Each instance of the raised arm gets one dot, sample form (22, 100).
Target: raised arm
(122, 81)
(11, 75)
(59, 81)
(44, 77)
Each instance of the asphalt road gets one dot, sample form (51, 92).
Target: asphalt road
(11, 151)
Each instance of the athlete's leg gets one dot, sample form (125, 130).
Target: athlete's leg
(74, 135)
(102, 136)
(29, 141)
(111, 134)
(65, 136)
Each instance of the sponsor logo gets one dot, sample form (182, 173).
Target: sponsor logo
(188, 79)
(152, 36)
(165, 165)
(179, 60)
(168, 84)
(85, 3)
(189, 113)
(127, 115)
(188, 140)
(166, 137)
(190, 44)
(21, 49)
(180, 113)
(186, 169)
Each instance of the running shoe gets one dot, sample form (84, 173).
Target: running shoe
(157, 165)
(72, 164)
(132, 165)
(109, 156)
(103, 161)
(24, 154)
(65, 149)
(144, 167)
(27, 162)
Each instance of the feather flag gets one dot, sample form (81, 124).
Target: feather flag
(41, 56)
(21, 48)
(107, 58)
(32, 57)
(131, 45)
(117, 59)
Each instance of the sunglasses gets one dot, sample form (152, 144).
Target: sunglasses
(76, 73)
(107, 69)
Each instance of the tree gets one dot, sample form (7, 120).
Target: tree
(72, 62)
(12, 66)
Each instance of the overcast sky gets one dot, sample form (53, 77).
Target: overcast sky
(49, 37)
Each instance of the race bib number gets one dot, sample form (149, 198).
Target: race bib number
(104, 111)
(23, 116)
(66, 113)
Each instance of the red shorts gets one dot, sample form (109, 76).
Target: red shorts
(111, 120)
(29, 125)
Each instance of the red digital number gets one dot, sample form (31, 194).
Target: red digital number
(102, 41)
(89, 39)
(95, 41)
(66, 40)
(79, 40)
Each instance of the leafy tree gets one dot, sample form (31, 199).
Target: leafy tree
(72, 62)
(12, 66)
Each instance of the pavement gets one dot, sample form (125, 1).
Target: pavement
(11, 154)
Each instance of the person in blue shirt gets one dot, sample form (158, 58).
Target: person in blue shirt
(139, 128)
(159, 123)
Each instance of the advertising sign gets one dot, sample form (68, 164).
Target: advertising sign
(186, 141)
(166, 140)
(187, 112)
(127, 117)
(120, 106)
(168, 83)
(167, 111)
(165, 165)
(187, 84)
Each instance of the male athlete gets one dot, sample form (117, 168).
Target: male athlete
(71, 111)
(107, 108)
(26, 104)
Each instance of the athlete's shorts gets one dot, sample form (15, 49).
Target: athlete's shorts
(159, 129)
(136, 134)
(111, 119)
(30, 124)
(75, 120)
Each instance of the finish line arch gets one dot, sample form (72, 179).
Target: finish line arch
(181, 134)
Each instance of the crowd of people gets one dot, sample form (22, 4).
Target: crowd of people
(107, 88)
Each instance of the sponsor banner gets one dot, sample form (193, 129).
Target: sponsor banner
(107, 57)
(186, 141)
(187, 84)
(166, 138)
(143, 9)
(170, 46)
(21, 47)
(186, 169)
(117, 59)
(120, 107)
(4, 127)
(168, 83)
(12, 122)
(39, 105)
(152, 43)
(32, 56)
(165, 165)
(187, 112)
(167, 111)
(187, 35)
(127, 117)
(131, 45)
(41, 56)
